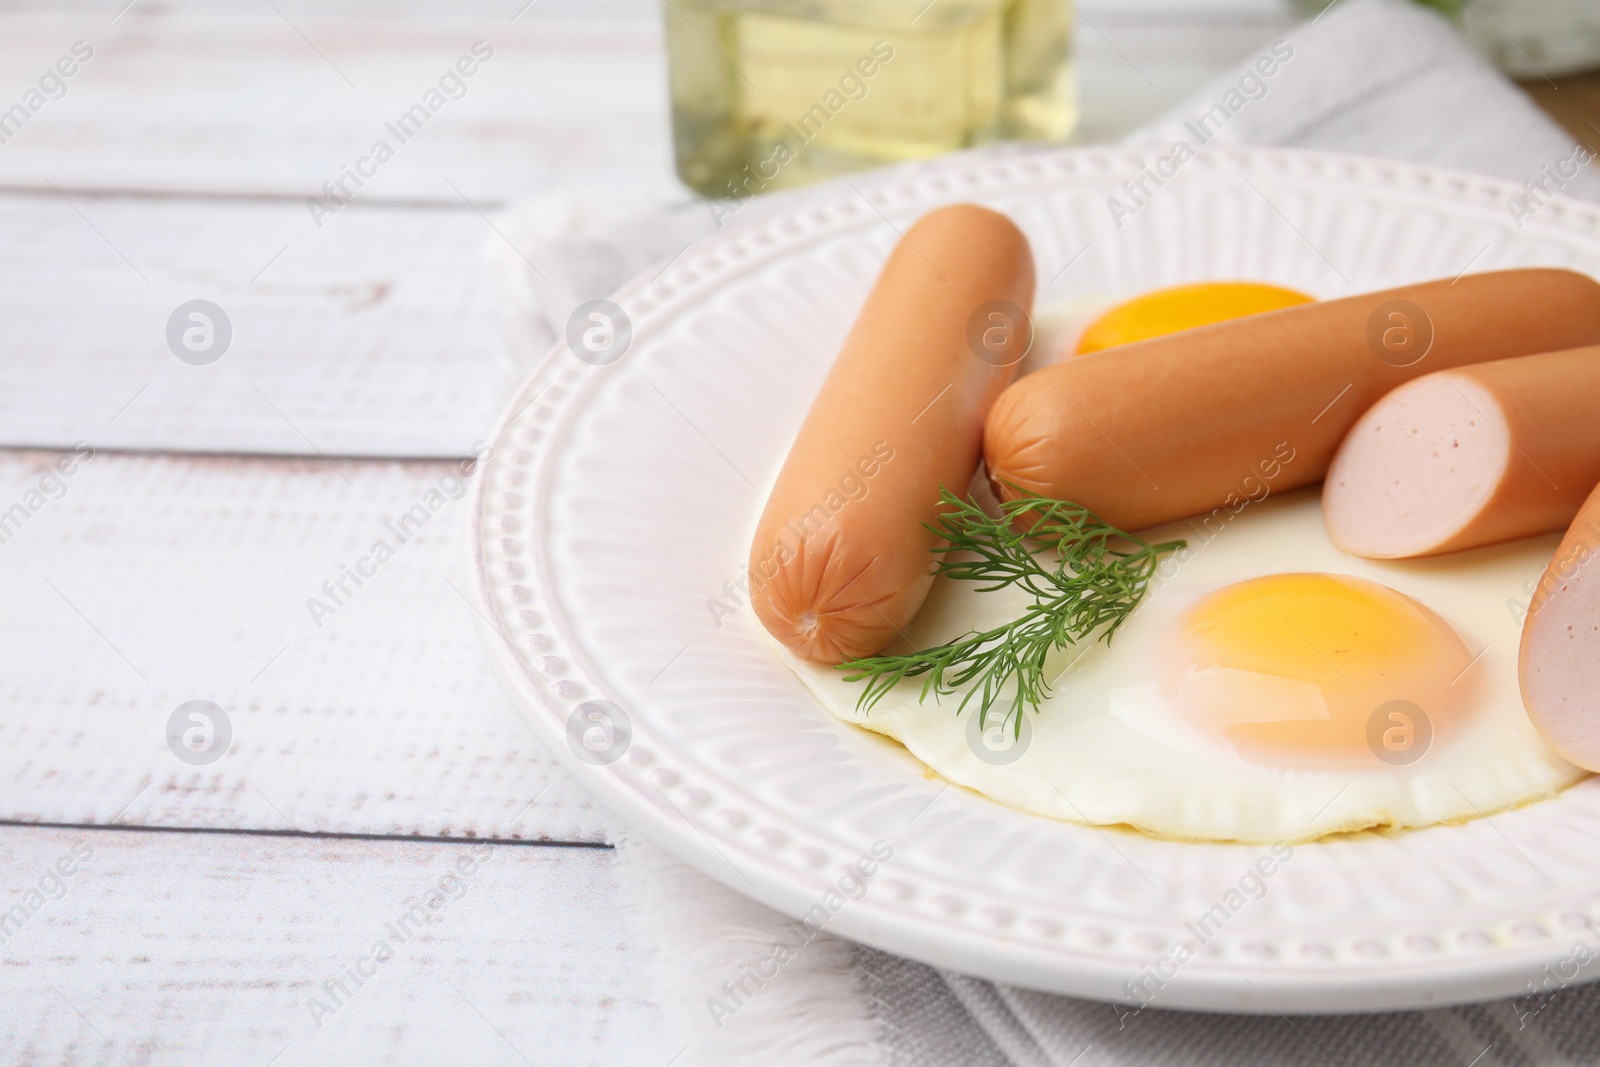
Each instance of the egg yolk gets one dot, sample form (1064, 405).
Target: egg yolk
(1319, 670)
(1183, 307)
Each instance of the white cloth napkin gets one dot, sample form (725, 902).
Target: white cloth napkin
(1376, 77)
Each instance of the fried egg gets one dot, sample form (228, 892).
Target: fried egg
(1268, 688)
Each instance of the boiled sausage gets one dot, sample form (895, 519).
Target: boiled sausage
(1560, 662)
(1469, 457)
(1166, 428)
(841, 560)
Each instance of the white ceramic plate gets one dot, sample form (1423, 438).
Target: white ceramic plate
(618, 502)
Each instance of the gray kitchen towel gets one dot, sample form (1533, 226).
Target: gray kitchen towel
(1389, 79)
(1375, 77)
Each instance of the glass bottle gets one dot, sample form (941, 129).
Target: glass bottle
(769, 94)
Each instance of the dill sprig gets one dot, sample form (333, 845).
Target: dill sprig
(1094, 576)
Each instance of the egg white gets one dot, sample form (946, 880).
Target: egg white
(1103, 750)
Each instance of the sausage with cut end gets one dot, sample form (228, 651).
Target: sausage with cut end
(841, 560)
(1469, 457)
(1166, 428)
(1559, 666)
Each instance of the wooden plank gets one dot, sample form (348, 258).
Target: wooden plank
(148, 582)
(1573, 101)
(234, 97)
(217, 948)
(1137, 60)
(271, 99)
(379, 334)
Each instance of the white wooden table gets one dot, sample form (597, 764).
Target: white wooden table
(229, 911)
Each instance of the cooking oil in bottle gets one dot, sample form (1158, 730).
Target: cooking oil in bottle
(768, 94)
